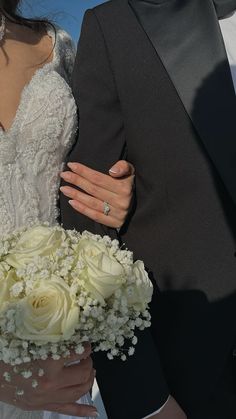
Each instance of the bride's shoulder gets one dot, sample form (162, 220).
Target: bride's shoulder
(65, 51)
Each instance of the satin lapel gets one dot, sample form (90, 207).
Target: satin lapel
(188, 41)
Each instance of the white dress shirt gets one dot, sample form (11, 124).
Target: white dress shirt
(228, 30)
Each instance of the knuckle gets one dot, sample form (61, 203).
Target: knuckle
(125, 206)
(126, 189)
(129, 190)
(95, 204)
(96, 178)
(121, 217)
(92, 189)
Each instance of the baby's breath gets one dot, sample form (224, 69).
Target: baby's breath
(107, 319)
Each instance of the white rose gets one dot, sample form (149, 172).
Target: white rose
(48, 313)
(102, 274)
(91, 247)
(37, 241)
(139, 294)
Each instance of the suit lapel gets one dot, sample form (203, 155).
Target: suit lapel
(187, 39)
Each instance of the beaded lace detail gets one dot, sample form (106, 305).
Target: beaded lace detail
(33, 149)
(10, 412)
(32, 152)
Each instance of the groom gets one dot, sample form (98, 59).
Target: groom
(154, 86)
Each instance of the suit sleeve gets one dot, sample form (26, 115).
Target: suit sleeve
(134, 388)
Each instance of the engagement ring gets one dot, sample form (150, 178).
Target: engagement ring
(106, 208)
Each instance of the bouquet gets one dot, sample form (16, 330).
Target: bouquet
(62, 288)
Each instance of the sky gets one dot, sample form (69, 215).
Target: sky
(67, 13)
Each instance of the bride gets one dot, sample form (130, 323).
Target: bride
(38, 126)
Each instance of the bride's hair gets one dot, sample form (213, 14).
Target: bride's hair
(10, 9)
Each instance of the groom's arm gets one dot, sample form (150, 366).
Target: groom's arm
(135, 388)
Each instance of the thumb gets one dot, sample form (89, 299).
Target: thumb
(122, 169)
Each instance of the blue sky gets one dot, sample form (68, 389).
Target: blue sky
(67, 13)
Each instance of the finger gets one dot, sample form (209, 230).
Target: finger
(73, 409)
(87, 352)
(121, 200)
(117, 210)
(75, 374)
(74, 357)
(81, 173)
(53, 367)
(96, 216)
(73, 393)
(121, 169)
(68, 386)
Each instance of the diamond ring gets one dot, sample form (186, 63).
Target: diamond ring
(106, 208)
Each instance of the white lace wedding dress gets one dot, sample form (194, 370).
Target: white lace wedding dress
(32, 152)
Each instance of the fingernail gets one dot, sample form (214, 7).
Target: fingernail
(65, 175)
(72, 165)
(65, 190)
(114, 170)
(73, 203)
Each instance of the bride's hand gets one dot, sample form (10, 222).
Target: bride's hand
(58, 389)
(96, 189)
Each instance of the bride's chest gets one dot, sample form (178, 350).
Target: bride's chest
(44, 121)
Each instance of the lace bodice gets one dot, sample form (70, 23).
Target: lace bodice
(32, 153)
(33, 149)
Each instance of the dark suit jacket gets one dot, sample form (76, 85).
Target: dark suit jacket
(153, 85)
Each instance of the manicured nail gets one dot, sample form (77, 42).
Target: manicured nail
(72, 165)
(65, 175)
(73, 203)
(94, 414)
(114, 170)
(63, 189)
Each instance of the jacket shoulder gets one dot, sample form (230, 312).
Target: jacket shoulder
(110, 6)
